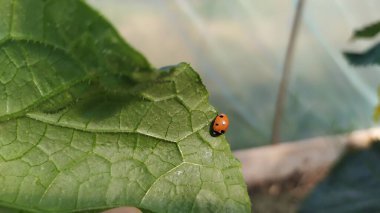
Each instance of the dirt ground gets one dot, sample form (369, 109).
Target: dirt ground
(284, 196)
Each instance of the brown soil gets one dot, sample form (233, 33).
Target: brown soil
(283, 196)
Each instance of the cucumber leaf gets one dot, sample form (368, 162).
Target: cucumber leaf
(86, 124)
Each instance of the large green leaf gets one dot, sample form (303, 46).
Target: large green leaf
(352, 186)
(87, 125)
(47, 47)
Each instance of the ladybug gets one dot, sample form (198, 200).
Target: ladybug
(221, 123)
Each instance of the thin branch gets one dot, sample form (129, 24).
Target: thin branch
(276, 128)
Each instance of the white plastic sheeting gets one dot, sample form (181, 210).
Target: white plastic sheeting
(238, 48)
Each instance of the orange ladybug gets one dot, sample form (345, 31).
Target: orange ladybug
(221, 123)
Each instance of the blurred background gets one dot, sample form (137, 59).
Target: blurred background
(238, 48)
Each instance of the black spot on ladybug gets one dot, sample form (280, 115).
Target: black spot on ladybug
(216, 124)
(220, 116)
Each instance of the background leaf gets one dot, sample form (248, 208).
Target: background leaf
(352, 186)
(370, 57)
(368, 31)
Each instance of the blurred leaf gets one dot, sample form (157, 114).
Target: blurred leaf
(370, 57)
(353, 185)
(376, 114)
(368, 31)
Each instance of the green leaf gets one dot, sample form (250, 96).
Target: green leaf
(352, 186)
(368, 31)
(150, 148)
(87, 125)
(46, 47)
(370, 57)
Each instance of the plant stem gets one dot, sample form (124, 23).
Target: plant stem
(282, 91)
